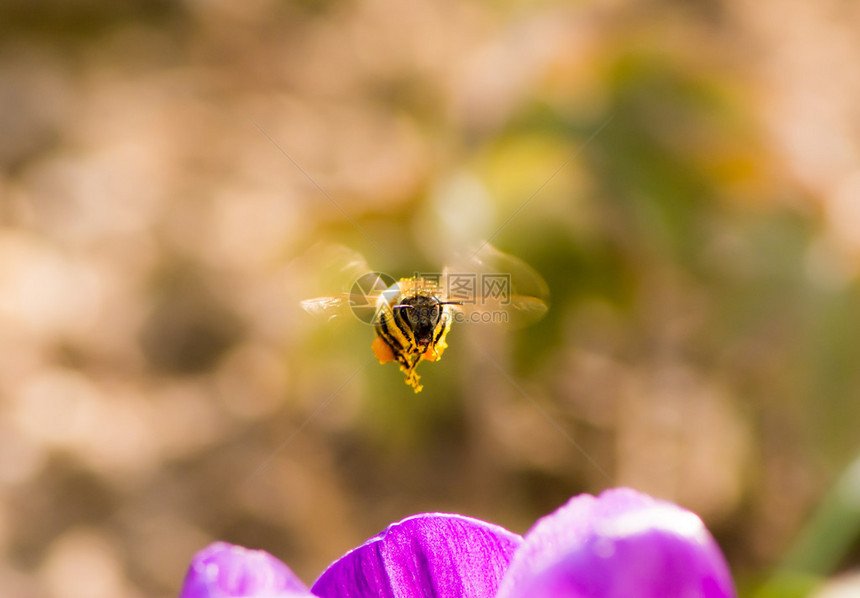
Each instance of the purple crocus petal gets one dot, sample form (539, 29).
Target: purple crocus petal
(224, 570)
(619, 544)
(432, 556)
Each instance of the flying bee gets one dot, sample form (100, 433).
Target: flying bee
(411, 325)
(413, 316)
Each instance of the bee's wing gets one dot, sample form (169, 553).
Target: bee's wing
(366, 304)
(495, 287)
(357, 288)
(339, 266)
(327, 307)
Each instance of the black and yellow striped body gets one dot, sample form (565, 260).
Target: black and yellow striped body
(411, 326)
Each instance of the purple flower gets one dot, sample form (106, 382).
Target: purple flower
(619, 544)
(425, 555)
(223, 570)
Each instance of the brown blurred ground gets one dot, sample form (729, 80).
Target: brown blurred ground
(156, 236)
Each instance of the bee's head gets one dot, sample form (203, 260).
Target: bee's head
(422, 314)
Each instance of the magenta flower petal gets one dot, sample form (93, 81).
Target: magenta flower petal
(619, 544)
(223, 570)
(432, 556)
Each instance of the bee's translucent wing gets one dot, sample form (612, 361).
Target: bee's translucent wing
(495, 287)
(339, 266)
(357, 288)
(328, 307)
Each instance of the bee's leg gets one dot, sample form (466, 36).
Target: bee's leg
(408, 366)
(437, 347)
(413, 381)
(433, 352)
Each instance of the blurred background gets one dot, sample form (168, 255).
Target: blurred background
(685, 176)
